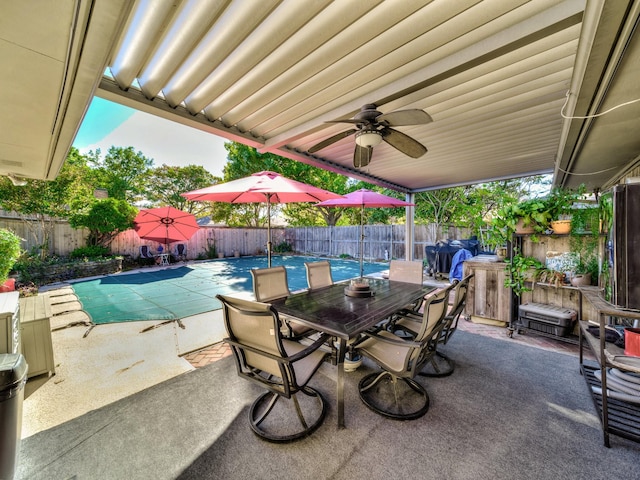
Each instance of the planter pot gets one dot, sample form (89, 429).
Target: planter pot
(581, 280)
(522, 230)
(9, 285)
(236, 254)
(220, 255)
(561, 227)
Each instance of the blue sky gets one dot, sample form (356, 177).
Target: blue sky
(107, 123)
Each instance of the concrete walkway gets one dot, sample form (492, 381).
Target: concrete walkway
(98, 365)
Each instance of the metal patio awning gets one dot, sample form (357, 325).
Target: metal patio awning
(493, 74)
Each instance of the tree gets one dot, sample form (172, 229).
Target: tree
(105, 218)
(166, 184)
(244, 161)
(123, 173)
(472, 205)
(47, 201)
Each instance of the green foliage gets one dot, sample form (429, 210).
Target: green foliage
(166, 184)
(520, 270)
(560, 201)
(533, 213)
(123, 172)
(9, 252)
(210, 250)
(90, 251)
(105, 219)
(283, 247)
(244, 161)
(47, 201)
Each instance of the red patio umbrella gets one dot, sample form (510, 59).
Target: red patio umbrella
(267, 187)
(364, 198)
(165, 225)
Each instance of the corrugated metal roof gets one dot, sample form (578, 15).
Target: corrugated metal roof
(493, 74)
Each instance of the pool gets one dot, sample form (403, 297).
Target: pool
(182, 291)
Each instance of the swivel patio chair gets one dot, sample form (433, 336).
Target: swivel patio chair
(271, 284)
(318, 274)
(409, 272)
(282, 366)
(441, 365)
(402, 359)
(145, 252)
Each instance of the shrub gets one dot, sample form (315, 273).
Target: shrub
(9, 252)
(90, 251)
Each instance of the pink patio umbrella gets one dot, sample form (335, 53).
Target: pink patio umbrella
(165, 225)
(364, 198)
(262, 187)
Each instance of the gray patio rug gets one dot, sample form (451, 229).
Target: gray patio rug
(507, 412)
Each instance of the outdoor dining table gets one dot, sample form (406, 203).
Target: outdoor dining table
(330, 310)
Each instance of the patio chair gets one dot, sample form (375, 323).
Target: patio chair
(271, 284)
(145, 252)
(409, 272)
(440, 365)
(180, 251)
(402, 358)
(318, 274)
(281, 366)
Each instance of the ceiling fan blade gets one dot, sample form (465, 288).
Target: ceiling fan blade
(328, 141)
(404, 117)
(362, 156)
(404, 143)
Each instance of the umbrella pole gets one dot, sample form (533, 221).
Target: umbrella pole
(362, 242)
(268, 231)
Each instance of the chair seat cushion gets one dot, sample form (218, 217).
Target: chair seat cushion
(305, 367)
(389, 356)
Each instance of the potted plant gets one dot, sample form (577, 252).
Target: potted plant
(527, 217)
(9, 253)
(560, 205)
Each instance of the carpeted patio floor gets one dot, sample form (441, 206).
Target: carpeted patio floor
(508, 412)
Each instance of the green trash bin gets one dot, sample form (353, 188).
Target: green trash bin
(13, 376)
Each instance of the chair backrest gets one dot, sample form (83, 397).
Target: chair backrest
(406, 271)
(270, 283)
(460, 290)
(145, 252)
(181, 249)
(318, 274)
(435, 310)
(253, 330)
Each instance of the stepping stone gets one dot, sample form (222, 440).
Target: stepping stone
(59, 308)
(70, 319)
(58, 299)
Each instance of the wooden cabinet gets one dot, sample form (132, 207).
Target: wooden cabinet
(35, 326)
(487, 298)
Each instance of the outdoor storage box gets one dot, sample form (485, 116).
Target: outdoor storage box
(546, 318)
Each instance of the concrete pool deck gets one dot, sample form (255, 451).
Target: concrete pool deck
(95, 366)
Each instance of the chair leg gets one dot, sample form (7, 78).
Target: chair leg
(282, 431)
(440, 366)
(408, 404)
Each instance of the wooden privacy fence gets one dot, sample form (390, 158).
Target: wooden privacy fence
(245, 241)
(62, 241)
(380, 242)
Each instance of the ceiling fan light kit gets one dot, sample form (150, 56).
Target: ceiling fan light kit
(368, 138)
(372, 127)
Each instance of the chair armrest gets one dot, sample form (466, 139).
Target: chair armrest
(311, 348)
(393, 341)
(293, 358)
